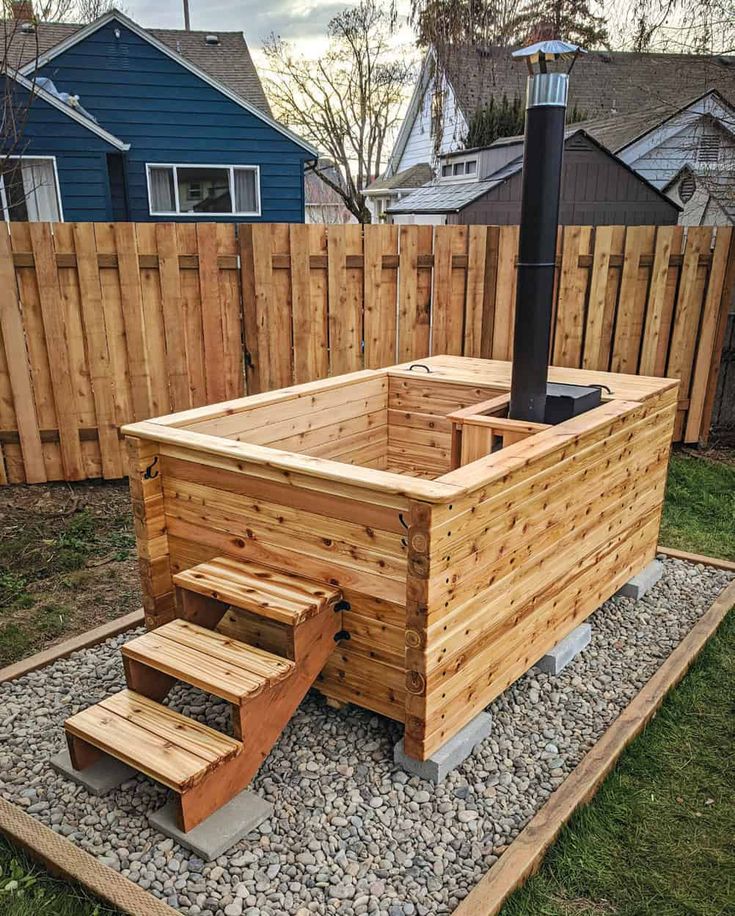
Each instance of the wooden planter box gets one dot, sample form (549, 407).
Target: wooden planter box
(459, 578)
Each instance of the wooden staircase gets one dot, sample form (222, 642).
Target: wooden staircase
(204, 767)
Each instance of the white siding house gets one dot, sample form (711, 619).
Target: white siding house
(639, 106)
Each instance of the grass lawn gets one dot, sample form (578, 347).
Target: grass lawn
(658, 838)
(699, 513)
(27, 890)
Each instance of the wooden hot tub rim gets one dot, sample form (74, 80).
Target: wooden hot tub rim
(172, 431)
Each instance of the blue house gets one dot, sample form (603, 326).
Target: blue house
(126, 123)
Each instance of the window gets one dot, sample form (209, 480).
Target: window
(471, 167)
(709, 148)
(29, 189)
(190, 190)
(458, 168)
(446, 170)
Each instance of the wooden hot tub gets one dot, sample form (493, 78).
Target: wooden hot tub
(461, 568)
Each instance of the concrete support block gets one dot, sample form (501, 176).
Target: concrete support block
(214, 836)
(450, 755)
(637, 587)
(100, 778)
(563, 652)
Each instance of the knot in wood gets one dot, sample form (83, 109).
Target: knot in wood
(413, 639)
(415, 682)
(418, 566)
(418, 541)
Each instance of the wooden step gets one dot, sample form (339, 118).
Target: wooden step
(217, 664)
(163, 744)
(279, 596)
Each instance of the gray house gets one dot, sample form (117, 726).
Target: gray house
(483, 186)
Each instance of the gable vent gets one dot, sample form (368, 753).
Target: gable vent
(709, 148)
(687, 187)
(212, 39)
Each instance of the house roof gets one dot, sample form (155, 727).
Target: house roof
(76, 114)
(229, 61)
(603, 83)
(75, 37)
(451, 197)
(443, 197)
(413, 177)
(615, 132)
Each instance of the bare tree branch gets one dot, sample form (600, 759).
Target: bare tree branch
(348, 102)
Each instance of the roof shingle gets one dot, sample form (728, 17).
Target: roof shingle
(602, 83)
(228, 62)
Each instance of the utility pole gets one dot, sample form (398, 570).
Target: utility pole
(187, 21)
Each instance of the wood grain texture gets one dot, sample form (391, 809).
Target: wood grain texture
(175, 316)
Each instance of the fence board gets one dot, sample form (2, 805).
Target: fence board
(174, 316)
(18, 371)
(505, 293)
(381, 292)
(107, 323)
(98, 352)
(131, 303)
(414, 308)
(49, 293)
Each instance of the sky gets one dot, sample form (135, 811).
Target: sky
(304, 22)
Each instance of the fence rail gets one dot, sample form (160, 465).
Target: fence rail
(101, 324)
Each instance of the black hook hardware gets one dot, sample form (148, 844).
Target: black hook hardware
(401, 520)
(342, 605)
(419, 366)
(148, 475)
(343, 634)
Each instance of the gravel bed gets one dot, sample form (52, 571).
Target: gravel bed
(351, 833)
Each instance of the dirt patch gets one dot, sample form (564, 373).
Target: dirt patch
(67, 562)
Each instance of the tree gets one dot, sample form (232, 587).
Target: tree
(685, 26)
(504, 119)
(348, 101)
(441, 23)
(89, 10)
(571, 20)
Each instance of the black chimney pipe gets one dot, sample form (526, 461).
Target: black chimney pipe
(546, 100)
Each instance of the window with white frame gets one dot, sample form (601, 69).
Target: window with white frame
(193, 190)
(29, 189)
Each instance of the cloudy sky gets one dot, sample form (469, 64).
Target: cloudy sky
(302, 21)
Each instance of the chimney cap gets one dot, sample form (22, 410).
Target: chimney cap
(212, 39)
(548, 51)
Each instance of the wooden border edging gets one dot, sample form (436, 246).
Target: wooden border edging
(527, 851)
(68, 861)
(696, 558)
(62, 649)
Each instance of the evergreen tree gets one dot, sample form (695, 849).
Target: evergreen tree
(504, 119)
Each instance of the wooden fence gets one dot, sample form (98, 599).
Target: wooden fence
(723, 415)
(101, 324)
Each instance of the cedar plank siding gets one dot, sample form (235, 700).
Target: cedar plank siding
(596, 191)
(170, 115)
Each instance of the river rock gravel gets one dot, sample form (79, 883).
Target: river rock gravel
(351, 833)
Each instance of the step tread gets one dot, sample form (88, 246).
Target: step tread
(218, 664)
(162, 743)
(259, 589)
